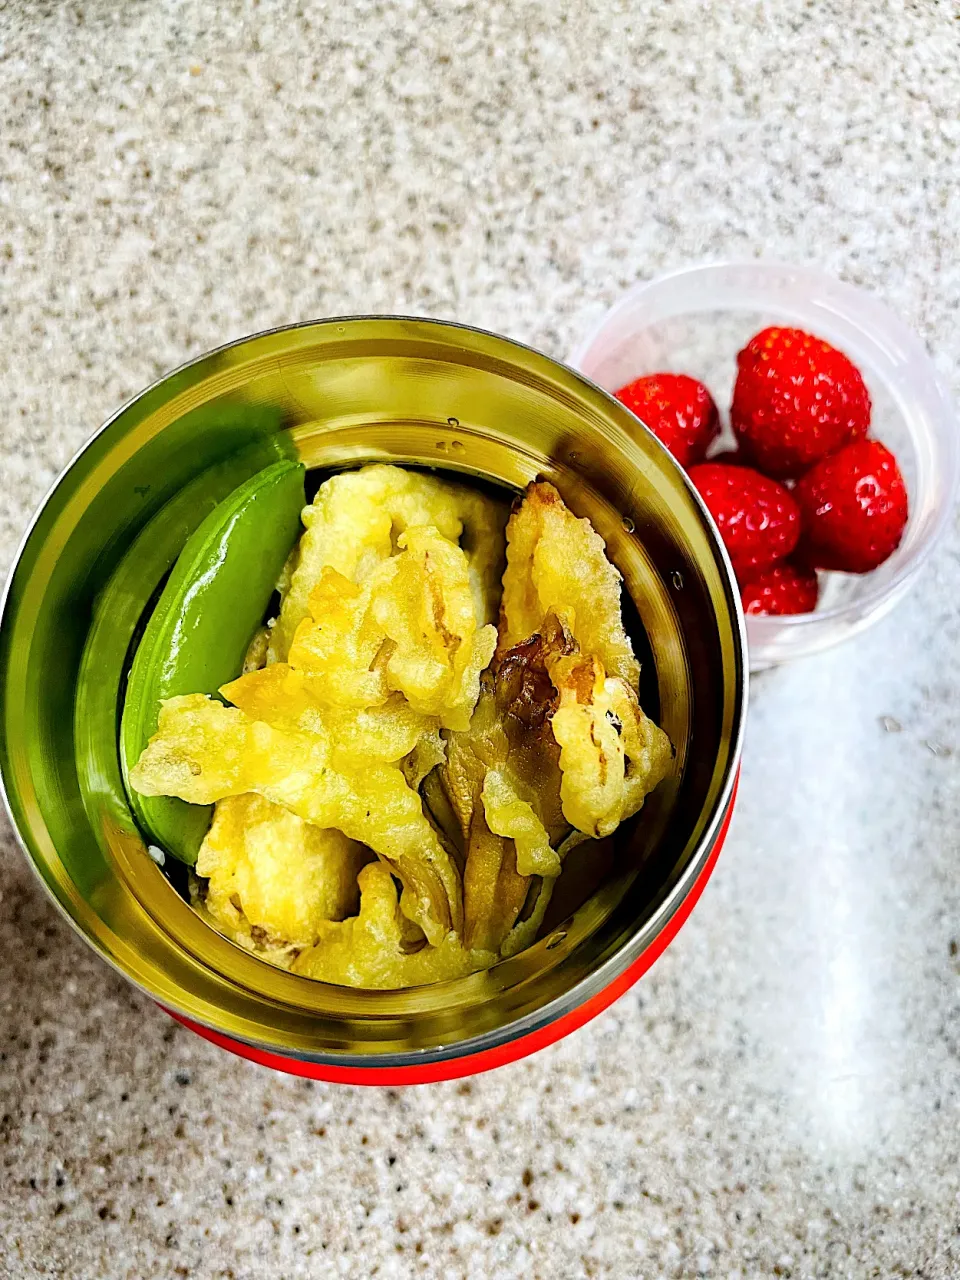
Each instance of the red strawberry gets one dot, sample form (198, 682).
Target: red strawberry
(796, 399)
(784, 588)
(757, 518)
(678, 410)
(854, 507)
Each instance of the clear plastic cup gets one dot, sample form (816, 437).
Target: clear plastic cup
(695, 321)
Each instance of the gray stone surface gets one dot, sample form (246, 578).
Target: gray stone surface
(780, 1096)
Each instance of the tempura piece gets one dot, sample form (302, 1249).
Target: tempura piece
(558, 751)
(493, 891)
(484, 544)
(509, 815)
(290, 699)
(256, 655)
(204, 752)
(340, 643)
(430, 750)
(611, 754)
(558, 564)
(272, 878)
(527, 926)
(428, 614)
(355, 520)
(371, 949)
(509, 736)
(411, 628)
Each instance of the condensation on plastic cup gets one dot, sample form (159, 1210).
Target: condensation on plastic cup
(695, 321)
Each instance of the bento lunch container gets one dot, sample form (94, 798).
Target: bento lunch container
(338, 394)
(695, 320)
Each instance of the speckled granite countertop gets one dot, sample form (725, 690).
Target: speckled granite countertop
(781, 1095)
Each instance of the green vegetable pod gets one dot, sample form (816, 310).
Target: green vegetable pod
(199, 631)
(120, 609)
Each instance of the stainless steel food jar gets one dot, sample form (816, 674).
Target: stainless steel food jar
(337, 394)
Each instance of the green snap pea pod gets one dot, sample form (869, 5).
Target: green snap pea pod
(117, 612)
(197, 635)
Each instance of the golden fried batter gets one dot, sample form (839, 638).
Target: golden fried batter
(272, 877)
(339, 644)
(411, 628)
(510, 737)
(353, 525)
(203, 751)
(611, 754)
(290, 699)
(558, 564)
(557, 750)
(371, 950)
